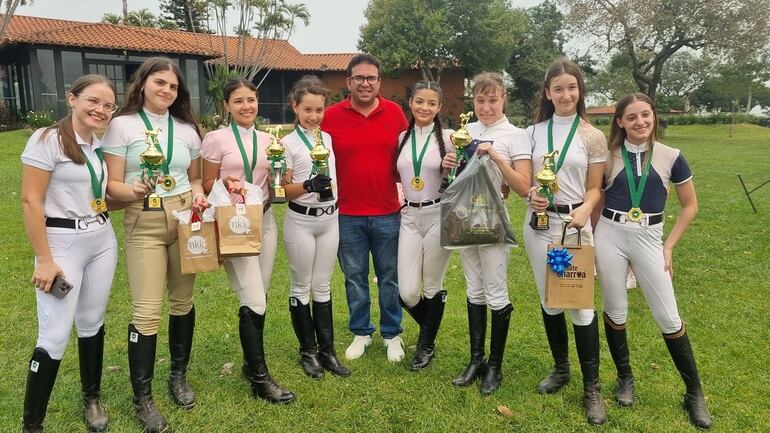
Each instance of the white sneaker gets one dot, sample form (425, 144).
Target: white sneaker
(358, 346)
(395, 348)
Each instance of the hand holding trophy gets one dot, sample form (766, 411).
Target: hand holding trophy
(548, 187)
(319, 154)
(277, 166)
(151, 163)
(460, 139)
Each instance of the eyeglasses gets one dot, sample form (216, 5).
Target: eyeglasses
(93, 101)
(359, 79)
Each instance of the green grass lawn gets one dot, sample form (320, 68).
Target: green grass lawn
(723, 285)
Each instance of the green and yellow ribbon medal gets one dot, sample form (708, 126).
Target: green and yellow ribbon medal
(98, 204)
(636, 190)
(417, 183)
(247, 169)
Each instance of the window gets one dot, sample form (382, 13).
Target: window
(193, 82)
(72, 68)
(46, 70)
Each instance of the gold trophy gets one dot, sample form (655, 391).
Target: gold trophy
(320, 156)
(277, 166)
(152, 162)
(548, 187)
(460, 139)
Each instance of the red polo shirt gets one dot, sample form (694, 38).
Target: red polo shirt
(365, 150)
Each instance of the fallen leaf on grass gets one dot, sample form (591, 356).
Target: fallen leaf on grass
(113, 368)
(504, 411)
(227, 369)
(654, 366)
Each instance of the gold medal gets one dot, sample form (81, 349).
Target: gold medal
(635, 214)
(99, 205)
(168, 183)
(417, 183)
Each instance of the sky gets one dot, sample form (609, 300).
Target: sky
(334, 24)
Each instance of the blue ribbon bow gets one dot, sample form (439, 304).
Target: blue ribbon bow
(559, 259)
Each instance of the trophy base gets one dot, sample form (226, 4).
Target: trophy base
(539, 221)
(278, 195)
(153, 202)
(325, 196)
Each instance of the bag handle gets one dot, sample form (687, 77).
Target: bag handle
(195, 217)
(564, 233)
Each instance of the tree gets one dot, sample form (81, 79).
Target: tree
(112, 19)
(141, 18)
(683, 74)
(650, 32)
(189, 15)
(542, 42)
(125, 10)
(613, 81)
(433, 35)
(10, 9)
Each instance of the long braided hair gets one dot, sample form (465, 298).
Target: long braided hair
(437, 129)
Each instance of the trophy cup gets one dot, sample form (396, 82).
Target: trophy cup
(320, 156)
(277, 166)
(152, 162)
(548, 187)
(460, 139)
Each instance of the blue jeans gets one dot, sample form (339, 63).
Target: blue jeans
(360, 235)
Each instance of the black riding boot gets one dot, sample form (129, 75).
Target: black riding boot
(558, 341)
(477, 331)
(324, 331)
(180, 337)
(90, 355)
(616, 340)
(501, 320)
(587, 343)
(40, 379)
(305, 332)
(251, 327)
(426, 341)
(417, 312)
(694, 401)
(141, 364)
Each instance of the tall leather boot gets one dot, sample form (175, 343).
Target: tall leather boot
(426, 341)
(180, 338)
(417, 312)
(324, 331)
(40, 379)
(558, 341)
(251, 328)
(141, 364)
(477, 331)
(616, 340)
(587, 343)
(501, 320)
(90, 355)
(681, 352)
(305, 332)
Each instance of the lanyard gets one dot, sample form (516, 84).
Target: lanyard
(635, 189)
(304, 138)
(170, 144)
(254, 146)
(564, 149)
(96, 184)
(417, 161)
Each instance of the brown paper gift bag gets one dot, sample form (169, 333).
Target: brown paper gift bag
(198, 246)
(575, 288)
(239, 228)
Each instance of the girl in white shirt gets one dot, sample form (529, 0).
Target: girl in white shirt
(421, 259)
(65, 216)
(486, 267)
(311, 231)
(156, 99)
(560, 124)
(235, 154)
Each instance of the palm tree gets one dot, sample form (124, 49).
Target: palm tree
(10, 8)
(112, 19)
(125, 10)
(141, 18)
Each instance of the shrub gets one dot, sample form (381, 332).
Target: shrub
(8, 119)
(40, 119)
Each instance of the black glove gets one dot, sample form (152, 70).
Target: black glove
(320, 182)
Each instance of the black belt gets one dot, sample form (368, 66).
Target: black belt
(421, 204)
(76, 223)
(563, 208)
(623, 217)
(313, 211)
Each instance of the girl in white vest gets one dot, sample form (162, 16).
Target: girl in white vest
(65, 215)
(421, 259)
(311, 230)
(486, 267)
(630, 232)
(236, 154)
(561, 124)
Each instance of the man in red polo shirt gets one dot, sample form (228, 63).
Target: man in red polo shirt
(364, 129)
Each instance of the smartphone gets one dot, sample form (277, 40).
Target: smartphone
(60, 287)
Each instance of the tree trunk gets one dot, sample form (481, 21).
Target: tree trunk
(732, 125)
(687, 106)
(748, 103)
(10, 8)
(125, 10)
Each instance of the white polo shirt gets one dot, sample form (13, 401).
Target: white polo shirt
(301, 166)
(430, 170)
(503, 135)
(69, 193)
